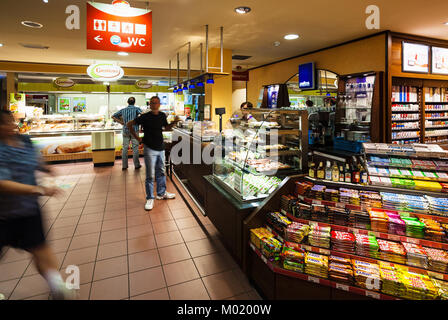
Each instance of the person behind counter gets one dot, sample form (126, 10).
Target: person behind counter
(21, 224)
(245, 108)
(127, 114)
(153, 123)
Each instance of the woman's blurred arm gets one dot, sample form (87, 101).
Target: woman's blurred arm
(11, 187)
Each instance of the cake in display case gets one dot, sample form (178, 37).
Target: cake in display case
(252, 158)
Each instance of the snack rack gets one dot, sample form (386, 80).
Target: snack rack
(418, 167)
(278, 283)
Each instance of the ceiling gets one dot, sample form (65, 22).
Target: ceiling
(175, 22)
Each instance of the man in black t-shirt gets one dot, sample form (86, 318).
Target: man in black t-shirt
(153, 123)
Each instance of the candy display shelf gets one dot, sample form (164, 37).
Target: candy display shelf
(325, 282)
(376, 188)
(328, 252)
(356, 207)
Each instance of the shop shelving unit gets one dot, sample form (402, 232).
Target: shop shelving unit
(272, 278)
(406, 114)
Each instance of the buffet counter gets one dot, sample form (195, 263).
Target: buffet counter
(191, 174)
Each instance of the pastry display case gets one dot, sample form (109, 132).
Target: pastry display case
(251, 159)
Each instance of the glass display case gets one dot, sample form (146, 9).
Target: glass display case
(252, 158)
(205, 130)
(354, 109)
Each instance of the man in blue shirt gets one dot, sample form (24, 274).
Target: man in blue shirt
(123, 116)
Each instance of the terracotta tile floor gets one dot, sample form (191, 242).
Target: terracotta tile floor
(122, 251)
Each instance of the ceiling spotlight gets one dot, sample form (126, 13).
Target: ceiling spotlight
(122, 53)
(32, 24)
(446, 23)
(276, 43)
(242, 10)
(1, 45)
(291, 36)
(45, 1)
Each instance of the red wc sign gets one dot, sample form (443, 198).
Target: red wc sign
(118, 27)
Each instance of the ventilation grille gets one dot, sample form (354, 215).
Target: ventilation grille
(240, 57)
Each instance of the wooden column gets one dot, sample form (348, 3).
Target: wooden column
(219, 94)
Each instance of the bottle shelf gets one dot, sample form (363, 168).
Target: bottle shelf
(404, 102)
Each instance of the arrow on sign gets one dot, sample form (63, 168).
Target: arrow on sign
(98, 38)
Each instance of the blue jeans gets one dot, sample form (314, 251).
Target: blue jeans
(126, 139)
(155, 168)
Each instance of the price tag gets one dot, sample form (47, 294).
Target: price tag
(301, 197)
(313, 279)
(318, 202)
(264, 259)
(341, 286)
(280, 238)
(435, 275)
(252, 246)
(374, 295)
(313, 223)
(284, 212)
(324, 251)
(307, 248)
(340, 205)
(269, 229)
(414, 241)
(393, 238)
(355, 231)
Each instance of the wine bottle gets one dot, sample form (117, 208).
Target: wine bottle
(341, 174)
(355, 172)
(348, 173)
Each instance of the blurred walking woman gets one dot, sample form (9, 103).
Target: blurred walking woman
(20, 217)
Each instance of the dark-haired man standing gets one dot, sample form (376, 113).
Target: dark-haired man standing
(123, 116)
(153, 123)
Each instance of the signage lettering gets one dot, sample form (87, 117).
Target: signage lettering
(105, 72)
(73, 20)
(118, 27)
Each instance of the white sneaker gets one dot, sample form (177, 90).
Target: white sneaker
(167, 195)
(149, 204)
(62, 293)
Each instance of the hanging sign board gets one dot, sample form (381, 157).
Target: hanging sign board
(307, 76)
(64, 82)
(415, 57)
(105, 72)
(240, 75)
(143, 84)
(118, 27)
(439, 60)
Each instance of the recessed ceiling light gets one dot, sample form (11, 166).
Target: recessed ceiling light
(291, 36)
(242, 10)
(446, 23)
(45, 1)
(276, 43)
(32, 24)
(1, 44)
(122, 53)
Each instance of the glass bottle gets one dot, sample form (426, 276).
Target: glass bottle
(335, 172)
(348, 173)
(321, 171)
(341, 174)
(328, 171)
(312, 169)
